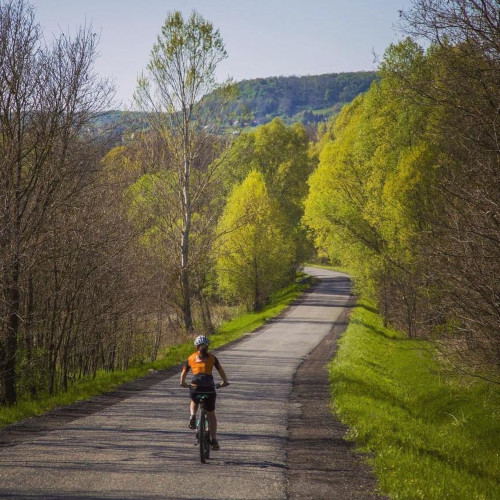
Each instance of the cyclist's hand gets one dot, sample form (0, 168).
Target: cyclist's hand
(224, 384)
(183, 384)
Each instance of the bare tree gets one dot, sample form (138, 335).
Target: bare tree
(47, 94)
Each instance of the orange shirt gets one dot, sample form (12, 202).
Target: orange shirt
(200, 365)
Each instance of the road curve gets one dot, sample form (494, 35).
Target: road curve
(141, 447)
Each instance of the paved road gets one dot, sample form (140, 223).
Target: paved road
(141, 447)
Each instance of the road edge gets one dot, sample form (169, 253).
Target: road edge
(320, 462)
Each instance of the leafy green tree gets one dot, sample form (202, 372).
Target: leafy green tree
(180, 72)
(338, 197)
(373, 194)
(254, 253)
(281, 154)
(464, 251)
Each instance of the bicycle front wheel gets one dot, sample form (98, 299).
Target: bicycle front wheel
(207, 440)
(203, 436)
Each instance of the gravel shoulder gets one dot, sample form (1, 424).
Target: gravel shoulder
(321, 463)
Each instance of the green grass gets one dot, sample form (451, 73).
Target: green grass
(108, 381)
(432, 433)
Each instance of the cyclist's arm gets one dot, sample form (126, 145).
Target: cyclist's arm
(222, 374)
(184, 373)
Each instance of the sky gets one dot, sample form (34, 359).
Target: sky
(262, 37)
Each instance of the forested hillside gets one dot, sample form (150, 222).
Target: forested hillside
(307, 99)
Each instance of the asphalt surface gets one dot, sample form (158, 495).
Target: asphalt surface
(141, 447)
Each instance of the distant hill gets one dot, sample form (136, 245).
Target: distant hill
(114, 126)
(306, 99)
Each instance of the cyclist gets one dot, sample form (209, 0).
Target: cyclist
(201, 363)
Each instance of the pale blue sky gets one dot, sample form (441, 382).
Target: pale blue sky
(262, 37)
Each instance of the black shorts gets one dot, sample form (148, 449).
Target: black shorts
(209, 402)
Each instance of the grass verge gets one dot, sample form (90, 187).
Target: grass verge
(108, 381)
(432, 433)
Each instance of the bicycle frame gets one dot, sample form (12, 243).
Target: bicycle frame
(203, 430)
(202, 427)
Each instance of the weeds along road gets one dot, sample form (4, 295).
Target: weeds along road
(141, 447)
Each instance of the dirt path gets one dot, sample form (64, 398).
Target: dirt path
(321, 463)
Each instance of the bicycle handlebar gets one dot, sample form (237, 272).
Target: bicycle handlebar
(217, 386)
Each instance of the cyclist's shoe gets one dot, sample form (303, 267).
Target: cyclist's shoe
(192, 422)
(214, 444)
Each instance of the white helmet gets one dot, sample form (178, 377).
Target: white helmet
(201, 339)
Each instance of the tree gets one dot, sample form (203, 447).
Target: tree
(464, 250)
(406, 192)
(47, 95)
(180, 72)
(254, 254)
(281, 154)
(338, 197)
(374, 193)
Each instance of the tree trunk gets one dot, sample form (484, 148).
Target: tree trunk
(205, 314)
(12, 333)
(28, 339)
(257, 303)
(159, 330)
(186, 292)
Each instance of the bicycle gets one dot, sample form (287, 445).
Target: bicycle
(202, 427)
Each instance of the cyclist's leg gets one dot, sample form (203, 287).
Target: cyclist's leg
(193, 408)
(212, 422)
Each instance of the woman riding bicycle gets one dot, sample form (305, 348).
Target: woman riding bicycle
(201, 363)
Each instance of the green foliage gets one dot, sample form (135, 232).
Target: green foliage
(281, 154)
(433, 434)
(183, 61)
(148, 200)
(374, 191)
(121, 166)
(337, 202)
(254, 254)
